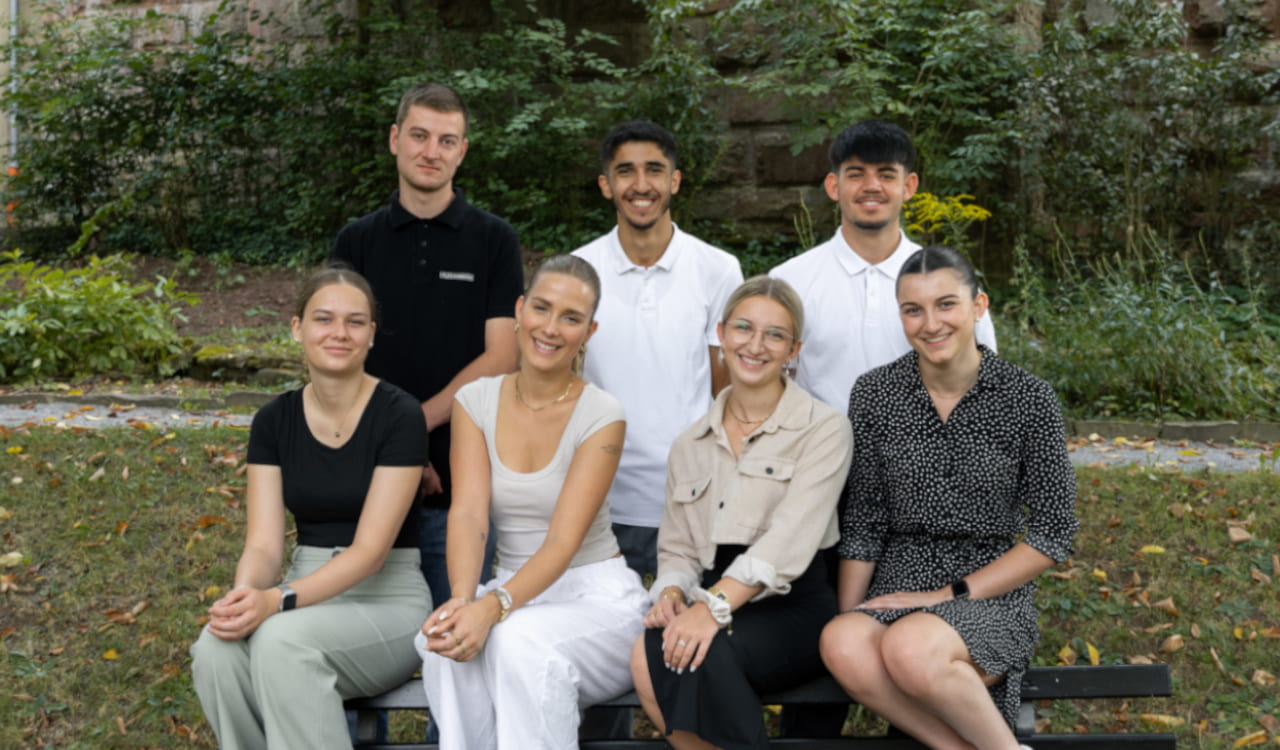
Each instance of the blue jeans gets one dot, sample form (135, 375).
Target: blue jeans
(433, 530)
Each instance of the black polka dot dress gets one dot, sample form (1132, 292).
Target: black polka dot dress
(931, 502)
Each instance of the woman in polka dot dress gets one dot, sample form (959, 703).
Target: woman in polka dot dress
(959, 496)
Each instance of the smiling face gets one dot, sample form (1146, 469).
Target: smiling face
(555, 321)
(335, 329)
(938, 311)
(428, 146)
(757, 339)
(640, 181)
(871, 196)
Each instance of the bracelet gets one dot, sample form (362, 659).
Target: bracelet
(672, 592)
(718, 602)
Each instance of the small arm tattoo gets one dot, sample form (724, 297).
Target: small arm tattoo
(612, 450)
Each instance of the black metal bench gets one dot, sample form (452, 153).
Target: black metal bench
(1041, 683)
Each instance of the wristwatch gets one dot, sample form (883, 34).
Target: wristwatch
(504, 602)
(288, 597)
(960, 589)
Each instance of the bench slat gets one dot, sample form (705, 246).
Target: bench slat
(1041, 683)
(1041, 742)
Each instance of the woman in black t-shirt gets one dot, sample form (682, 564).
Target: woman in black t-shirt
(344, 454)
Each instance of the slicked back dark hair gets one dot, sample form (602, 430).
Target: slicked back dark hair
(873, 142)
(435, 96)
(935, 258)
(638, 130)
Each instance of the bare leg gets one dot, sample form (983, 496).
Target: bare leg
(851, 646)
(928, 661)
(644, 690)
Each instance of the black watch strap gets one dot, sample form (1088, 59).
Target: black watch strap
(288, 597)
(960, 589)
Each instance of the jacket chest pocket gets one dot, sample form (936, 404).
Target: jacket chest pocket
(687, 502)
(762, 482)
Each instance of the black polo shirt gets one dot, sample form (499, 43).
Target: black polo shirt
(437, 281)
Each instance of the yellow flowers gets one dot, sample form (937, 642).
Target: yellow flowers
(938, 219)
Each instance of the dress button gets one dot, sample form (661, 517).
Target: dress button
(693, 493)
(768, 469)
(721, 503)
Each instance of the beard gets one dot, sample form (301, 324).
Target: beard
(663, 208)
(871, 226)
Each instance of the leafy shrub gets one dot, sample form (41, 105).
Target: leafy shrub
(1140, 337)
(66, 322)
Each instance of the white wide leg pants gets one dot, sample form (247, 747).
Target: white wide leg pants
(567, 649)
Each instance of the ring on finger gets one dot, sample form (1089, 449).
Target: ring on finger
(456, 640)
(681, 644)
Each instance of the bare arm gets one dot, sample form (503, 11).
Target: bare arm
(1002, 575)
(498, 358)
(254, 598)
(855, 579)
(469, 506)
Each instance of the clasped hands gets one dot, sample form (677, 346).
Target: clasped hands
(687, 630)
(238, 614)
(459, 628)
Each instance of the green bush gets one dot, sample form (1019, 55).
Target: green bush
(1140, 337)
(65, 322)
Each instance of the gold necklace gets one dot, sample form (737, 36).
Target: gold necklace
(531, 407)
(742, 420)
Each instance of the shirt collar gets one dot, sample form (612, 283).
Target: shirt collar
(793, 412)
(622, 264)
(450, 217)
(854, 264)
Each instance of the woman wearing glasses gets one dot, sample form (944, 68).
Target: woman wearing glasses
(742, 594)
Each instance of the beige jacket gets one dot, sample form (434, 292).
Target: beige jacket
(780, 498)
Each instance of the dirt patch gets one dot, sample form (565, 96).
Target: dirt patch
(232, 295)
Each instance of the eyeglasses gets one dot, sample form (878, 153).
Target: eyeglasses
(774, 338)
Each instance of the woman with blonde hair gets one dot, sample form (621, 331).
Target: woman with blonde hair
(510, 664)
(742, 589)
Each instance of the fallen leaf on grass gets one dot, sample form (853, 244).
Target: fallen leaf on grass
(1218, 663)
(1067, 655)
(122, 527)
(11, 559)
(1252, 739)
(1195, 630)
(147, 639)
(1153, 549)
(1166, 605)
(1259, 576)
(1262, 678)
(1140, 659)
(212, 592)
(1238, 535)
(1099, 574)
(111, 654)
(1270, 723)
(120, 725)
(99, 474)
(1171, 644)
(1163, 720)
(1094, 656)
(5, 514)
(8, 582)
(13, 449)
(1158, 628)
(205, 522)
(119, 617)
(193, 539)
(57, 651)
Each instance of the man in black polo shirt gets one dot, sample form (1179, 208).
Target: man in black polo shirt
(446, 275)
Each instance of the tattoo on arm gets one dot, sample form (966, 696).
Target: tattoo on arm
(612, 450)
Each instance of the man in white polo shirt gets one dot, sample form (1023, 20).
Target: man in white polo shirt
(656, 350)
(848, 282)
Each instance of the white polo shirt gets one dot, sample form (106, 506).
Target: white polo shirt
(851, 322)
(650, 352)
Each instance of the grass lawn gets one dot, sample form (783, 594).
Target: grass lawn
(112, 542)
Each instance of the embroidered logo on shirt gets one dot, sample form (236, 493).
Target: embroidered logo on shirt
(457, 276)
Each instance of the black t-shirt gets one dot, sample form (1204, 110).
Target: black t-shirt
(437, 281)
(325, 487)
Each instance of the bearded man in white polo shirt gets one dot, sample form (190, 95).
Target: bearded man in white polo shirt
(656, 350)
(848, 282)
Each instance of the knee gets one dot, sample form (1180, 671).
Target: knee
(911, 661)
(843, 644)
(640, 669)
(281, 657)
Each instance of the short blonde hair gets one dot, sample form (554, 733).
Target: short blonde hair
(775, 289)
